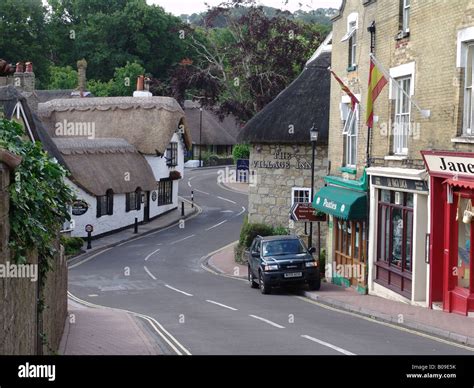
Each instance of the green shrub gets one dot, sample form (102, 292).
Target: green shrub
(280, 231)
(241, 151)
(72, 245)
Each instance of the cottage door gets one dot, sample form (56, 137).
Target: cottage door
(146, 208)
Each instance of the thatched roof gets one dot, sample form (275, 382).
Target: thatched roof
(214, 131)
(101, 164)
(9, 98)
(303, 103)
(146, 122)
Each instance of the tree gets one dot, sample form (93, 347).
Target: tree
(62, 78)
(125, 78)
(244, 66)
(23, 34)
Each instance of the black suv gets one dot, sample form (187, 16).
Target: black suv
(279, 260)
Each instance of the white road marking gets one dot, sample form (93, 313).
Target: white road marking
(156, 325)
(175, 289)
(227, 211)
(202, 192)
(216, 225)
(190, 179)
(336, 348)
(177, 241)
(189, 183)
(149, 273)
(243, 211)
(220, 304)
(225, 199)
(92, 295)
(267, 321)
(151, 254)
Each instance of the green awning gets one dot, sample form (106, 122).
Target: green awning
(341, 203)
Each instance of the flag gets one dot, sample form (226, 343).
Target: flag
(354, 99)
(377, 81)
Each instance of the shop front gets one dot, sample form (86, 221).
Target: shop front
(346, 204)
(398, 221)
(451, 214)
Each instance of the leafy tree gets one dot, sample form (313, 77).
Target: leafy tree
(125, 78)
(23, 34)
(62, 78)
(99, 88)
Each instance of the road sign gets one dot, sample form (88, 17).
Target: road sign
(304, 212)
(89, 228)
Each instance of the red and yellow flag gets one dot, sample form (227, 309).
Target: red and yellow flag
(353, 98)
(377, 81)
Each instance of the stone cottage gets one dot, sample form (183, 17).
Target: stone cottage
(281, 149)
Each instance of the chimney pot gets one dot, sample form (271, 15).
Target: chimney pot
(19, 67)
(140, 83)
(29, 67)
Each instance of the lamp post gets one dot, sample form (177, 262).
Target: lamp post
(314, 138)
(200, 136)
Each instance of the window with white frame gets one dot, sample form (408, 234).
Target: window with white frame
(406, 15)
(300, 195)
(468, 116)
(402, 116)
(351, 37)
(351, 123)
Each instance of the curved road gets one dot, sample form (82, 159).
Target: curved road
(197, 312)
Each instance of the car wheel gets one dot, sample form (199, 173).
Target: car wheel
(252, 282)
(315, 285)
(264, 287)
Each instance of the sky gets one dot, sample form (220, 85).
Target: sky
(178, 7)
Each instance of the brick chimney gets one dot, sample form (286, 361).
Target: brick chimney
(141, 90)
(81, 75)
(24, 79)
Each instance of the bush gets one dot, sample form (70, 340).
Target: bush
(72, 245)
(241, 151)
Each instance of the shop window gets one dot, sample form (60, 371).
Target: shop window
(133, 200)
(468, 115)
(172, 154)
(300, 195)
(464, 246)
(105, 204)
(402, 116)
(165, 192)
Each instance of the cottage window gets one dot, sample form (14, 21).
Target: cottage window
(105, 204)
(133, 200)
(468, 103)
(395, 237)
(351, 123)
(300, 195)
(172, 154)
(165, 192)
(405, 15)
(353, 46)
(402, 116)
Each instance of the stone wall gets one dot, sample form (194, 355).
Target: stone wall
(18, 314)
(276, 170)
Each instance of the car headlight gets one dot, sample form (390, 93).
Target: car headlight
(311, 264)
(272, 267)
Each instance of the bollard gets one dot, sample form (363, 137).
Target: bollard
(192, 198)
(182, 208)
(135, 230)
(89, 240)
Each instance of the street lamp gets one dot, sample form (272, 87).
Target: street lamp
(200, 136)
(314, 134)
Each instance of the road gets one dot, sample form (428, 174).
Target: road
(197, 312)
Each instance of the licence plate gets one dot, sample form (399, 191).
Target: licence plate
(293, 275)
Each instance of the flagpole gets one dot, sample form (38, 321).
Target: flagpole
(424, 112)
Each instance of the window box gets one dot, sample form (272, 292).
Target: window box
(348, 170)
(175, 175)
(351, 68)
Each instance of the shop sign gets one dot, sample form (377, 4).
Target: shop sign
(399, 183)
(154, 196)
(449, 163)
(79, 208)
(282, 160)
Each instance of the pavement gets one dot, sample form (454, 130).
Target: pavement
(97, 330)
(453, 327)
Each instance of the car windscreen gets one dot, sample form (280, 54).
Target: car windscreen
(283, 247)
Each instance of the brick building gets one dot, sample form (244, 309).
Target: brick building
(427, 48)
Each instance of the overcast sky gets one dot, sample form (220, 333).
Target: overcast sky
(178, 7)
